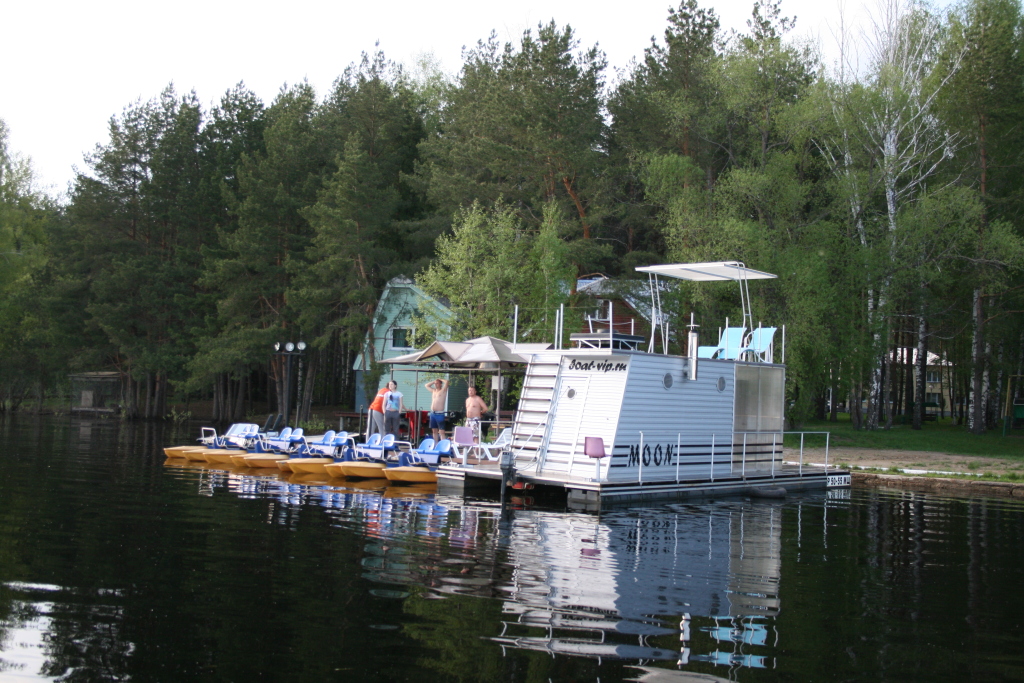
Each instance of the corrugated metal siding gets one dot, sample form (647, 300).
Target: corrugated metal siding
(688, 427)
(592, 411)
(694, 415)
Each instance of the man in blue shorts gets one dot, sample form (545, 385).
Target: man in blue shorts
(438, 402)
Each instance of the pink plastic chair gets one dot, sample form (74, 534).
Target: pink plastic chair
(593, 447)
(463, 441)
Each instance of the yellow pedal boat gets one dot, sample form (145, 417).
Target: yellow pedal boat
(259, 460)
(366, 469)
(197, 454)
(334, 470)
(285, 465)
(178, 451)
(222, 456)
(412, 474)
(310, 465)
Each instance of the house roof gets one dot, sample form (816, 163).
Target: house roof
(932, 358)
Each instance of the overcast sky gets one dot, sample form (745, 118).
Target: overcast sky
(69, 66)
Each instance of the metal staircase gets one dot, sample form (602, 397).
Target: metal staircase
(532, 415)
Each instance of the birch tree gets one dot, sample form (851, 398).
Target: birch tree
(888, 141)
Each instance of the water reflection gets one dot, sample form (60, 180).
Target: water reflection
(114, 566)
(570, 583)
(604, 587)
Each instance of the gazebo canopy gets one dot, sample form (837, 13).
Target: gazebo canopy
(482, 353)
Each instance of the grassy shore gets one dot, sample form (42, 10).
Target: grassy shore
(941, 437)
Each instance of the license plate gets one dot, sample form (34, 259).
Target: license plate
(838, 480)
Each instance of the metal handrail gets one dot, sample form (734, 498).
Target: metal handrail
(528, 440)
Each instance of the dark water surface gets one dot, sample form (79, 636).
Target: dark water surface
(117, 566)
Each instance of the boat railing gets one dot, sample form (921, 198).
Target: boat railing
(728, 448)
(802, 435)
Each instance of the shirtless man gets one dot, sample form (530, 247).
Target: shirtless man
(475, 409)
(438, 402)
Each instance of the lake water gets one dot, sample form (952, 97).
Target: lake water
(115, 565)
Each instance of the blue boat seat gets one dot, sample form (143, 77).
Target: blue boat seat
(376, 446)
(430, 453)
(323, 447)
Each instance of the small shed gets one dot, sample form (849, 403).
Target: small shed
(96, 392)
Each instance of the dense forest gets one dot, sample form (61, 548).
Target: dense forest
(886, 188)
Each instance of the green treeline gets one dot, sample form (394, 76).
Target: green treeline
(886, 190)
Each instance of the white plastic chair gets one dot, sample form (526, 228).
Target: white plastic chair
(501, 443)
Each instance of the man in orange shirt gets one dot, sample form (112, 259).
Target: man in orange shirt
(376, 425)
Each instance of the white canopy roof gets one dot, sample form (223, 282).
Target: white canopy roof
(482, 353)
(715, 271)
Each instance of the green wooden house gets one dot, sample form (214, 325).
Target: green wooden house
(393, 334)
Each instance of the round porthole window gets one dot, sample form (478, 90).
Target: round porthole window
(667, 380)
(721, 384)
(571, 393)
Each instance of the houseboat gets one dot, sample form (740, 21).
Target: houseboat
(611, 421)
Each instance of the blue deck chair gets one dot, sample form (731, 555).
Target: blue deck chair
(759, 344)
(732, 342)
(728, 345)
(708, 351)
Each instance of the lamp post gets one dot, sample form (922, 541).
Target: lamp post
(289, 351)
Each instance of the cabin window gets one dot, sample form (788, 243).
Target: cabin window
(571, 393)
(667, 380)
(600, 312)
(401, 338)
